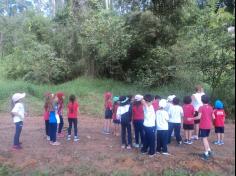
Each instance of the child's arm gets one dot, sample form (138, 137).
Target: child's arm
(198, 117)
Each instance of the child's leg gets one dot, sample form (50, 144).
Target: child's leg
(47, 127)
(177, 128)
(206, 145)
(190, 132)
(75, 121)
(141, 132)
(19, 126)
(218, 137)
(70, 126)
(186, 134)
(158, 149)
(123, 134)
(136, 132)
(53, 136)
(129, 134)
(164, 141)
(171, 128)
(145, 145)
(152, 141)
(197, 129)
(61, 124)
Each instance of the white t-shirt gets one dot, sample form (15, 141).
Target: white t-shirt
(122, 110)
(162, 118)
(176, 113)
(149, 116)
(197, 101)
(18, 108)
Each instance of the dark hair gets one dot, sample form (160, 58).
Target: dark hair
(137, 103)
(205, 99)
(72, 98)
(148, 98)
(187, 100)
(176, 101)
(157, 97)
(122, 99)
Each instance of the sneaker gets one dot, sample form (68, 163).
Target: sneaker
(166, 154)
(16, 147)
(186, 141)
(216, 142)
(136, 146)
(180, 142)
(221, 143)
(190, 142)
(195, 138)
(55, 143)
(123, 147)
(129, 147)
(205, 157)
(210, 153)
(151, 156)
(48, 138)
(76, 139)
(68, 137)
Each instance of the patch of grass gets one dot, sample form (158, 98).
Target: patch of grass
(170, 172)
(122, 173)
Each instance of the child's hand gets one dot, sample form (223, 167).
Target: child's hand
(190, 119)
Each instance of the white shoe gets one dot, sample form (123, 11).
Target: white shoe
(166, 154)
(136, 146)
(76, 139)
(68, 137)
(48, 138)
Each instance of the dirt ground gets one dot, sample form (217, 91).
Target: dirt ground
(99, 154)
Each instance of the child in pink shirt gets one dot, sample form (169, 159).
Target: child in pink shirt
(205, 116)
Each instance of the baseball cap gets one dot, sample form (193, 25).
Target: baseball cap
(17, 96)
(138, 97)
(163, 103)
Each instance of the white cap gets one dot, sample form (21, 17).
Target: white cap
(138, 97)
(17, 96)
(163, 103)
(171, 98)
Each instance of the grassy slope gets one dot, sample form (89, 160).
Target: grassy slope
(89, 92)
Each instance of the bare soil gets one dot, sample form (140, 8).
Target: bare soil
(99, 154)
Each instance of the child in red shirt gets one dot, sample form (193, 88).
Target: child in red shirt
(219, 122)
(138, 119)
(188, 124)
(205, 116)
(108, 112)
(61, 97)
(116, 122)
(72, 112)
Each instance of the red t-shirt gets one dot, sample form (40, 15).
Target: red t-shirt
(46, 114)
(219, 118)
(188, 113)
(108, 105)
(138, 113)
(206, 117)
(72, 110)
(114, 111)
(155, 105)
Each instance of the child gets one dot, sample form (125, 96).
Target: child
(138, 119)
(124, 114)
(162, 118)
(53, 120)
(108, 112)
(149, 126)
(197, 103)
(18, 114)
(188, 119)
(116, 122)
(175, 114)
(156, 102)
(61, 97)
(205, 116)
(72, 112)
(46, 114)
(219, 121)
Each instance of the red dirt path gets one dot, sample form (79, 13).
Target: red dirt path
(98, 154)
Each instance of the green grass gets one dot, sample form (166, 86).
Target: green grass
(89, 92)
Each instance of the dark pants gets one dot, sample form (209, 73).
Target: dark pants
(47, 127)
(126, 127)
(61, 124)
(19, 126)
(176, 127)
(149, 140)
(75, 123)
(138, 129)
(53, 131)
(162, 141)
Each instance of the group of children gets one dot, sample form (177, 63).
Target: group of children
(154, 120)
(53, 117)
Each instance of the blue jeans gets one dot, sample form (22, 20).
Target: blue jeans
(53, 132)
(61, 124)
(149, 140)
(19, 126)
(162, 141)
(71, 122)
(138, 128)
(126, 127)
(176, 127)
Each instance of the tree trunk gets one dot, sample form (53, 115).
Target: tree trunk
(53, 7)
